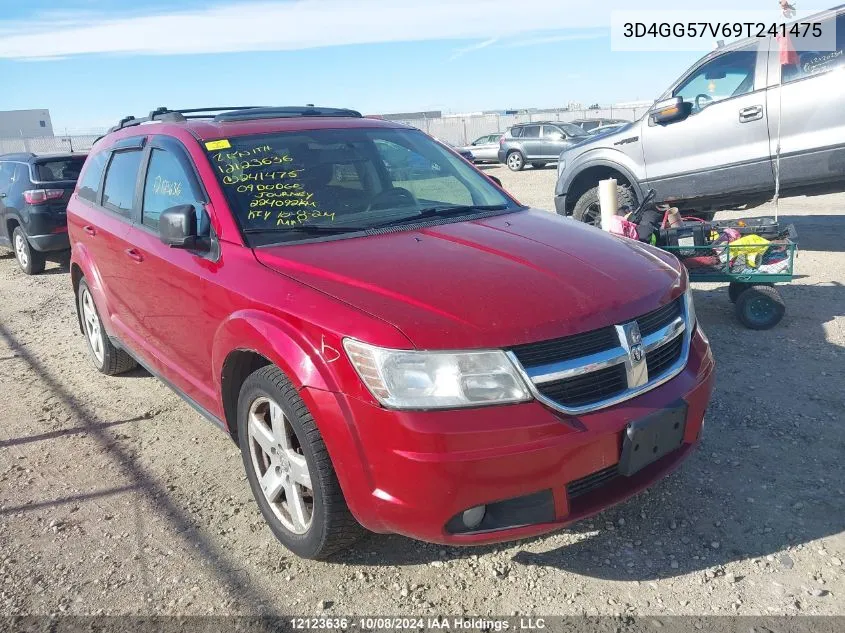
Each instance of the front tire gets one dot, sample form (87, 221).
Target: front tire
(515, 161)
(107, 358)
(588, 210)
(289, 469)
(30, 260)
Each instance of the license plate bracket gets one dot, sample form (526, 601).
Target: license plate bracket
(652, 437)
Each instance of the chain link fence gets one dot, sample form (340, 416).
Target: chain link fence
(457, 130)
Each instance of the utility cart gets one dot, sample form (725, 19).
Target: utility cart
(751, 270)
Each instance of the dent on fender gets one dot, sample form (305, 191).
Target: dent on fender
(279, 342)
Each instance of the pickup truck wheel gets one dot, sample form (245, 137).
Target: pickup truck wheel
(289, 470)
(515, 161)
(30, 260)
(588, 210)
(108, 359)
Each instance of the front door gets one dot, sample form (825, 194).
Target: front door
(722, 147)
(554, 141)
(7, 172)
(532, 143)
(173, 300)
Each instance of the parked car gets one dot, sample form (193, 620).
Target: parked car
(588, 125)
(485, 149)
(464, 152)
(34, 191)
(710, 141)
(537, 143)
(371, 344)
(604, 129)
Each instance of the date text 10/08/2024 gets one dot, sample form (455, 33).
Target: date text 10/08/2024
(418, 623)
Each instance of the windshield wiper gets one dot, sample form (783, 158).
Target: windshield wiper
(427, 212)
(326, 229)
(444, 211)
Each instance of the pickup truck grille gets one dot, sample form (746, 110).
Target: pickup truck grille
(588, 371)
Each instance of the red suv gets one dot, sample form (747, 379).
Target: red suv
(392, 339)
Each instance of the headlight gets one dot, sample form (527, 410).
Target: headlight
(690, 308)
(402, 379)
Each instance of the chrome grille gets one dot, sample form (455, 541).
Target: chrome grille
(593, 370)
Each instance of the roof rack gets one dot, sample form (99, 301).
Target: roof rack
(234, 113)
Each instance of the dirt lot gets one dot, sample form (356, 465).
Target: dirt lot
(115, 497)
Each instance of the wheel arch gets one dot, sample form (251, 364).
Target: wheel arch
(591, 173)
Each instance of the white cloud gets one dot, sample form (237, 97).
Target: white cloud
(474, 47)
(289, 25)
(550, 39)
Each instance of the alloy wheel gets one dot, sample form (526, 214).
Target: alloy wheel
(280, 465)
(21, 250)
(592, 215)
(515, 161)
(93, 331)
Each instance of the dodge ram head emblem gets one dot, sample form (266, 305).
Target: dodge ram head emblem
(636, 353)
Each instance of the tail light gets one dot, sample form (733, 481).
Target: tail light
(501, 140)
(40, 196)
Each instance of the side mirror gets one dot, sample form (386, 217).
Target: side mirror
(177, 227)
(670, 110)
(495, 179)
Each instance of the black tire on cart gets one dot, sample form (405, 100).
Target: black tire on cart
(760, 307)
(736, 288)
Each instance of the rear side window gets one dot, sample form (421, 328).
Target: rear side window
(169, 184)
(89, 184)
(531, 131)
(796, 64)
(516, 132)
(119, 188)
(66, 169)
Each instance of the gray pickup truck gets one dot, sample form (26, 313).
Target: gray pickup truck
(710, 141)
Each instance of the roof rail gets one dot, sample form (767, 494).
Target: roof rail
(285, 112)
(233, 113)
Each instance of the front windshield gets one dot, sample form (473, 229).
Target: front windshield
(571, 130)
(292, 186)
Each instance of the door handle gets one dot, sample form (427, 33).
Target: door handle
(751, 113)
(89, 230)
(134, 255)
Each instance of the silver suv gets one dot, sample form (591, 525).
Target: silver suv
(710, 141)
(537, 143)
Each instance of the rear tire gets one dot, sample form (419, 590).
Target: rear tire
(515, 161)
(760, 307)
(107, 358)
(30, 260)
(289, 470)
(588, 210)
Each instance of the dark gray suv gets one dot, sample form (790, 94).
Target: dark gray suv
(537, 143)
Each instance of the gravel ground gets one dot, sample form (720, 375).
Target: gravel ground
(115, 497)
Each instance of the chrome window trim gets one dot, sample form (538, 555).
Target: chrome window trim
(537, 376)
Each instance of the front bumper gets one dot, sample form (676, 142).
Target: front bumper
(418, 470)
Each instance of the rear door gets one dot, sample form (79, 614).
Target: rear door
(7, 172)
(722, 147)
(812, 127)
(102, 220)
(173, 301)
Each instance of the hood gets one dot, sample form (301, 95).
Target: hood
(494, 282)
(606, 139)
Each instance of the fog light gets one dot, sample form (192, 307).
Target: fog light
(473, 517)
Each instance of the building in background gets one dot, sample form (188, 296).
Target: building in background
(25, 123)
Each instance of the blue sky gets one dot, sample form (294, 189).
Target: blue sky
(92, 62)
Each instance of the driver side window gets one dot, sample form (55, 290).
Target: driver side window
(728, 75)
